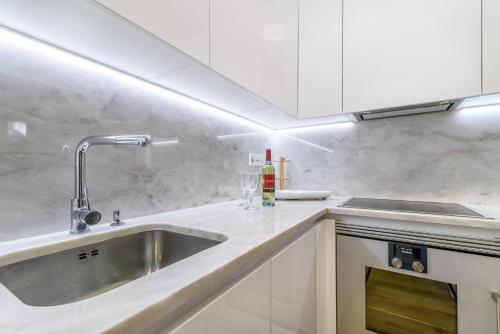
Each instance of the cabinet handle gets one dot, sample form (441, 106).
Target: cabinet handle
(496, 298)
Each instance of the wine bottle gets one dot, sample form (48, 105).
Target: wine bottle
(268, 181)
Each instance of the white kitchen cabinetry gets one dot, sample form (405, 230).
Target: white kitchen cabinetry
(407, 52)
(326, 279)
(255, 43)
(244, 308)
(320, 58)
(293, 287)
(182, 23)
(491, 46)
(293, 292)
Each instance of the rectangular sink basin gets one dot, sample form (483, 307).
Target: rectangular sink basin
(90, 270)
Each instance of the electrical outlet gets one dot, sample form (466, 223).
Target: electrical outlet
(255, 159)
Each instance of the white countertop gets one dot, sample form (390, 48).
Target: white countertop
(251, 237)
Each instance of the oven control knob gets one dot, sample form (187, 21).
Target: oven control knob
(397, 263)
(417, 266)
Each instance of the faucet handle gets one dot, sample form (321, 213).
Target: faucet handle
(116, 218)
(116, 215)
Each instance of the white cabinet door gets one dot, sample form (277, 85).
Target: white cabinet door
(320, 58)
(491, 46)
(255, 43)
(408, 52)
(326, 287)
(293, 287)
(182, 23)
(244, 308)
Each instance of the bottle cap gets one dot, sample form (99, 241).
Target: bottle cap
(268, 154)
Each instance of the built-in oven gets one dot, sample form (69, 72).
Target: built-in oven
(397, 277)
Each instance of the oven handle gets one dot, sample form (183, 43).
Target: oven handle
(496, 298)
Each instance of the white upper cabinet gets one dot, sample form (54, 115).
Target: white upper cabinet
(255, 43)
(491, 46)
(293, 287)
(407, 52)
(320, 58)
(182, 23)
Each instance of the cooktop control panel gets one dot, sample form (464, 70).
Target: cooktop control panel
(408, 257)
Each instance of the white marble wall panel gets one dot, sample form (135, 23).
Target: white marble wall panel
(453, 156)
(48, 105)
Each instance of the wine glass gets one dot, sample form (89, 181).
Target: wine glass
(250, 183)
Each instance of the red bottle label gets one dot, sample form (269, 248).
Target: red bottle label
(268, 182)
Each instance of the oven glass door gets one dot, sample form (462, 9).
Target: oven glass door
(396, 303)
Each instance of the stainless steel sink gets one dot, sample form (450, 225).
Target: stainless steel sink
(87, 271)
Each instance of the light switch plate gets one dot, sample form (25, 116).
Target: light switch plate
(255, 159)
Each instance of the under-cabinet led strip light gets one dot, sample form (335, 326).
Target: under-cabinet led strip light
(18, 39)
(237, 135)
(318, 127)
(481, 109)
(8, 36)
(166, 142)
(308, 143)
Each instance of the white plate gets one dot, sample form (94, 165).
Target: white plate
(302, 194)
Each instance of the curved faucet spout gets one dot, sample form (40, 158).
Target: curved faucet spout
(85, 144)
(81, 210)
(139, 140)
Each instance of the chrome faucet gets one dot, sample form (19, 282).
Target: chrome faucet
(81, 214)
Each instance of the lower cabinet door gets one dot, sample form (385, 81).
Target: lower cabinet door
(244, 308)
(293, 287)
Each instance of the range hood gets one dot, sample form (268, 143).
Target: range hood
(406, 110)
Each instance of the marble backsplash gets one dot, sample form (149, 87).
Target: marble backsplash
(47, 106)
(451, 156)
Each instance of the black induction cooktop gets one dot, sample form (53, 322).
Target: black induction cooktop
(432, 208)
